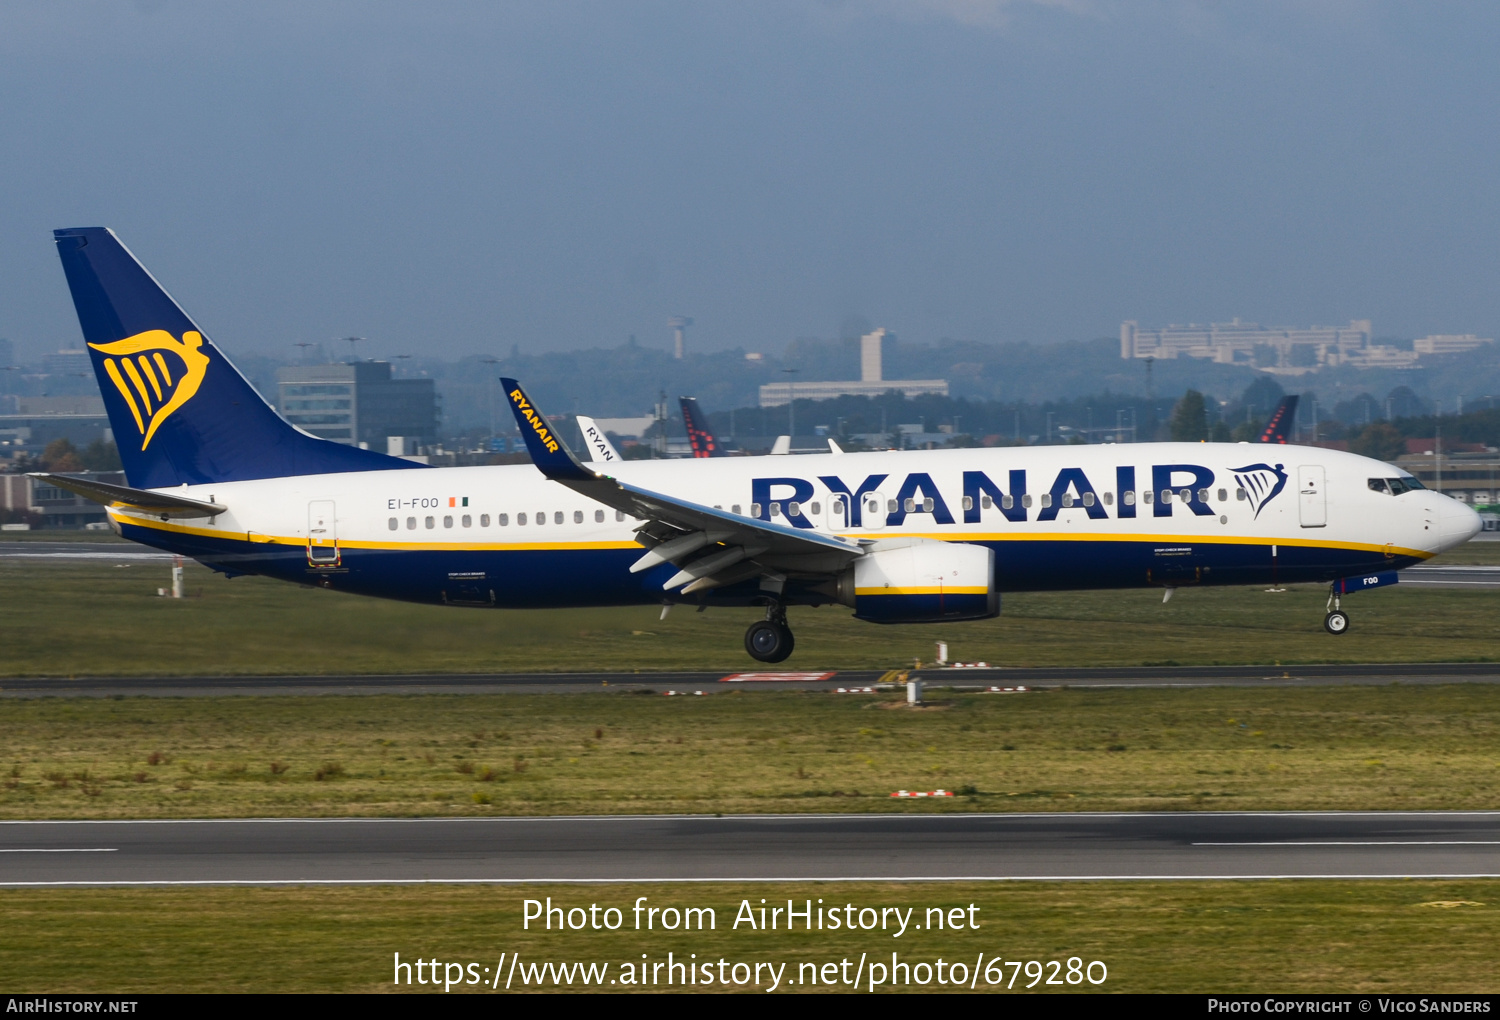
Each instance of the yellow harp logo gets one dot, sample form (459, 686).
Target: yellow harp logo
(153, 384)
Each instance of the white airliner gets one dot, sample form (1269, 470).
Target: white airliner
(919, 536)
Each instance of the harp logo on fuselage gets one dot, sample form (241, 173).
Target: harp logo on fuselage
(155, 373)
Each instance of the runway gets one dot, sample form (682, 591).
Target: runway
(754, 848)
(691, 683)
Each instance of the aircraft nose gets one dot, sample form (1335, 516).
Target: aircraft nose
(1460, 523)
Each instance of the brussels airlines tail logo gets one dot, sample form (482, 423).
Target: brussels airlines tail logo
(163, 373)
(1261, 482)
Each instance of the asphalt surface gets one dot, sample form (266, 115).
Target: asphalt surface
(1002, 681)
(748, 848)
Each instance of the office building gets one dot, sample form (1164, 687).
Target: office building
(358, 403)
(870, 384)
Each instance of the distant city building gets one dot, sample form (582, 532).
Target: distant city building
(68, 362)
(1447, 343)
(870, 384)
(28, 424)
(1272, 349)
(358, 404)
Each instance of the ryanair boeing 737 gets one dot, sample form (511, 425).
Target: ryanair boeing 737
(921, 536)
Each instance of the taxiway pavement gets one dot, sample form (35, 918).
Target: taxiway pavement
(1186, 845)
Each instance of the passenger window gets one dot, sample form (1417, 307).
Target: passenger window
(1146, 497)
(521, 520)
(598, 516)
(890, 506)
(986, 503)
(1006, 502)
(1186, 495)
(484, 520)
(1026, 500)
(1202, 495)
(431, 523)
(411, 524)
(754, 509)
(1109, 499)
(1067, 499)
(735, 508)
(447, 522)
(910, 506)
(874, 507)
(577, 516)
(817, 509)
(793, 509)
(467, 521)
(1223, 496)
(968, 502)
(619, 515)
(394, 524)
(1241, 495)
(1088, 499)
(557, 517)
(1166, 495)
(541, 517)
(775, 509)
(503, 520)
(927, 506)
(1046, 499)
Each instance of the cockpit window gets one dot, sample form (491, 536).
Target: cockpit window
(1404, 484)
(1378, 485)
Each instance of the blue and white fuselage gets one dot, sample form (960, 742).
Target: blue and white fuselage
(216, 474)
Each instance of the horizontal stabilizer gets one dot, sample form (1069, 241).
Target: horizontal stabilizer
(161, 504)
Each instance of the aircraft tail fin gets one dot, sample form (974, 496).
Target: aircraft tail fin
(700, 436)
(1281, 421)
(180, 412)
(599, 446)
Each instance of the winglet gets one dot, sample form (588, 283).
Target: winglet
(548, 452)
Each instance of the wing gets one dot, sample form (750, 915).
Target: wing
(160, 504)
(711, 547)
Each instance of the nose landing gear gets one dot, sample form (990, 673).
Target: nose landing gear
(1337, 621)
(770, 640)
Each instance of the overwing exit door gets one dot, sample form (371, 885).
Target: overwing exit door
(322, 533)
(1312, 497)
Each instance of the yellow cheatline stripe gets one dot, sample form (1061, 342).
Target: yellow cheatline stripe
(260, 539)
(114, 376)
(140, 384)
(151, 375)
(939, 590)
(1164, 539)
(161, 363)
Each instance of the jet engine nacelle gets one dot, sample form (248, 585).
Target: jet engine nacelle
(921, 580)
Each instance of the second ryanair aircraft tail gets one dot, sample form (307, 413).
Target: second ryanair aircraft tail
(180, 412)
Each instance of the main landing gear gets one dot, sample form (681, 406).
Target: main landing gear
(1337, 621)
(770, 640)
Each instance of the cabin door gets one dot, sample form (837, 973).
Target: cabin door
(1312, 496)
(322, 533)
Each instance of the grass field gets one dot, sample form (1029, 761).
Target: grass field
(1265, 937)
(1388, 747)
(76, 619)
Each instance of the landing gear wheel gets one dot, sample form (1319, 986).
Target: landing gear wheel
(769, 641)
(1336, 622)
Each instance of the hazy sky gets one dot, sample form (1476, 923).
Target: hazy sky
(450, 178)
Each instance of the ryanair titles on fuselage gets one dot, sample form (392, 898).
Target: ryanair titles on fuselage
(916, 492)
